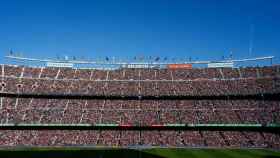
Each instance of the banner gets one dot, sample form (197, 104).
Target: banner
(53, 64)
(179, 66)
(215, 65)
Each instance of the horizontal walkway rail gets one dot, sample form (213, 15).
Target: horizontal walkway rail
(274, 128)
(260, 96)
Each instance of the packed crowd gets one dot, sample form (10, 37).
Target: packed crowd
(141, 82)
(139, 73)
(114, 138)
(138, 112)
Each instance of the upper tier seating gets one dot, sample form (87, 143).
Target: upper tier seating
(141, 82)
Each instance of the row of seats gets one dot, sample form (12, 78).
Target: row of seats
(139, 74)
(138, 112)
(135, 138)
(142, 88)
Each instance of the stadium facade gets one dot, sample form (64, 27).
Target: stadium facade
(139, 104)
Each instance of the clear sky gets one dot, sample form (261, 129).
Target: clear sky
(203, 29)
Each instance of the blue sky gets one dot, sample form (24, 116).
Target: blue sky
(203, 29)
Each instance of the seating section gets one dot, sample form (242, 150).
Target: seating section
(113, 138)
(139, 82)
(138, 112)
(140, 74)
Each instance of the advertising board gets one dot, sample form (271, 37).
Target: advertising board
(179, 66)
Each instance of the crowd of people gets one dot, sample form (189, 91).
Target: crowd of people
(115, 138)
(139, 82)
(138, 112)
(139, 73)
(142, 82)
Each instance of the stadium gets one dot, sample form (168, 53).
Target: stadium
(140, 108)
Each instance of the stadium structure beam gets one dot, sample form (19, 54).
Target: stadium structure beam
(134, 63)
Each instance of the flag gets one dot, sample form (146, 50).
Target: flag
(157, 58)
(231, 55)
(11, 52)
